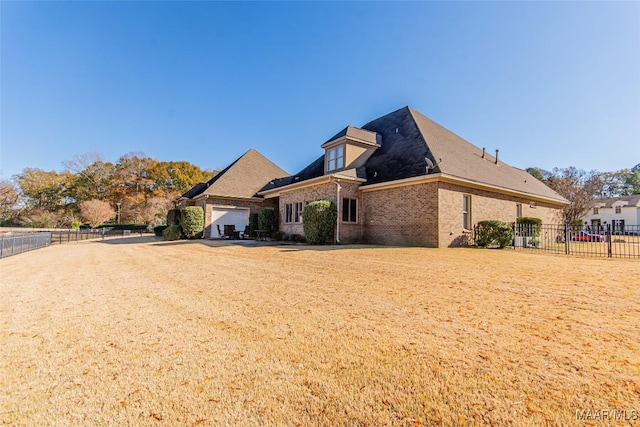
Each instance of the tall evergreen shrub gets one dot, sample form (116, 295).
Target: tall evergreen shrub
(319, 222)
(192, 221)
(266, 219)
(529, 226)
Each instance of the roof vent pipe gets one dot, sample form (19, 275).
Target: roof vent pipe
(497, 156)
(483, 152)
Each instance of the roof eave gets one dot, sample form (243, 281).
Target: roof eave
(226, 197)
(440, 177)
(312, 181)
(345, 138)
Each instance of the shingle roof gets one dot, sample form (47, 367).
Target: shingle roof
(407, 138)
(241, 179)
(633, 201)
(464, 160)
(314, 170)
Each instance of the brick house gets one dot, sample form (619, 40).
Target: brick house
(230, 196)
(401, 179)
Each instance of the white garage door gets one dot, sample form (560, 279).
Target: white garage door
(222, 216)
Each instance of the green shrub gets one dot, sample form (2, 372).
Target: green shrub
(279, 235)
(493, 234)
(192, 221)
(297, 238)
(529, 226)
(319, 222)
(173, 217)
(266, 219)
(75, 224)
(159, 230)
(253, 223)
(172, 232)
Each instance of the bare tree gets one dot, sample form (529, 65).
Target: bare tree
(92, 177)
(155, 210)
(95, 212)
(580, 188)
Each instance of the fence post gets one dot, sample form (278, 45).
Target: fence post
(567, 238)
(608, 237)
(1, 245)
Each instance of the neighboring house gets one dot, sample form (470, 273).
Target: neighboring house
(618, 212)
(230, 196)
(403, 179)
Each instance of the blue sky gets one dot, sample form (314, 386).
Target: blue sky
(550, 84)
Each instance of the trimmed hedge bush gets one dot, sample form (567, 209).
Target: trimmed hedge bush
(493, 234)
(172, 232)
(266, 219)
(192, 221)
(159, 229)
(132, 227)
(529, 226)
(319, 222)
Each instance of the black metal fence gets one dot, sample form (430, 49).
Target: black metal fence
(597, 241)
(68, 236)
(14, 244)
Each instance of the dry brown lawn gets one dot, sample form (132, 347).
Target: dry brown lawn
(142, 332)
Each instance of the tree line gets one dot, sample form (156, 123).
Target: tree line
(135, 189)
(582, 188)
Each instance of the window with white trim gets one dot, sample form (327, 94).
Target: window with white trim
(335, 158)
(298, 212)
(349, 210)
(595, 211)
(466, 212)
(288, 213)
(618, 209)
(519, 210)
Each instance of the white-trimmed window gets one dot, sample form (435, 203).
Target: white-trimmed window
(288, 213)
(618, 209)
(519, 210)
(298, 212)
(349, 210)
(466, 212)
(595, 211)
(335, 158)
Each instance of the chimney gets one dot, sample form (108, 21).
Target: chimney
(483, 152)
(497, 156)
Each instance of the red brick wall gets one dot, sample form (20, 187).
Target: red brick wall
(405, 215)
(349, 233)
(485, 205)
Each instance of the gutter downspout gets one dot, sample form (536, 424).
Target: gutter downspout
(204, 211)
(338, 207)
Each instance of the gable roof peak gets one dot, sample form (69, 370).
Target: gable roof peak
(241, 179)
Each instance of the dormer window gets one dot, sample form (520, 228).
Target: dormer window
(335, 158)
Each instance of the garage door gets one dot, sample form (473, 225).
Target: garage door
(222, 216)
